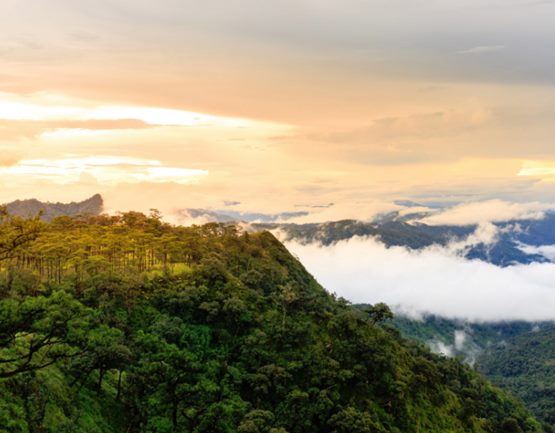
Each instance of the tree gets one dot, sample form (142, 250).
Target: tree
(379, 312)
(105, 350)
(38, 332)
(352, 420)
(16, 232)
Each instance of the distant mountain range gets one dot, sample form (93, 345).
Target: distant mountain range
(518, 241)
(29, 208)
(230, 215)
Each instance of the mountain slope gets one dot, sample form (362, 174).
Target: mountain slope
(126, 324)
(517, 356)
(525, 366)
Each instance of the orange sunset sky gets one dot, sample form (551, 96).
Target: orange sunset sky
(277, 106)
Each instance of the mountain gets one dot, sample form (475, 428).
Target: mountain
(230, 215)
(203, 215)
(516, 356)
(391, 233)
(519, 241)
(29, 208)
(127, 324)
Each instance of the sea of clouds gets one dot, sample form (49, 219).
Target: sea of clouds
(435, 280)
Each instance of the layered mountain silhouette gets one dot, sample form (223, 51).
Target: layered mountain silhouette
(516, 241)
(29, 208)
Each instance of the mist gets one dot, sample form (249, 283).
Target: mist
(434, 280)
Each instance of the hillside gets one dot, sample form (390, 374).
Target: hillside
(517, 356)
(127, 324)
(461, 338)
(29, 208)
(525, 366)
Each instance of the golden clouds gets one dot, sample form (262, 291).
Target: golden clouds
(60, 143)
(296, 102)
(103, 169)
(66, 112)
(544, 170)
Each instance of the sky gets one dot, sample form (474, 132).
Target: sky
(277, 106)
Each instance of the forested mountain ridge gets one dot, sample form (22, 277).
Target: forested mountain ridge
(127, 324)
(29, 208)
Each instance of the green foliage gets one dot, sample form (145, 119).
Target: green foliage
(16, 232)
(525, 365)
(126, 324)
(516, 356)
(379, 312)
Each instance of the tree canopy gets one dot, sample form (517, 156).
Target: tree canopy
(127, 324)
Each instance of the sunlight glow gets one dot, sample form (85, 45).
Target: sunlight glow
(538, 169)
(67, 133)
(42, 107)
(161, 116)
(104, 169)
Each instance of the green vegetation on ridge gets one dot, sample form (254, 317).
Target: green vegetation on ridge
(127, 324)
(516, 356)
(525, 366)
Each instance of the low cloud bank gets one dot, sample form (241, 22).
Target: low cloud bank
(433, 280)
(487, 211)
(545, 250)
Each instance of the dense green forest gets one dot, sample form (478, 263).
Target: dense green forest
(516, 356)
(525, 365)
(483, 334)
(127, 324)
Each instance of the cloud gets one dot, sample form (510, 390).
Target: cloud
(544, 250)
(541, 169)
(199, 215)
(462, 346)
(483, 49)
(486, 233)
(49, 107)
(15, 129)
(184, 218)
(107, 170)
(7, 160)
(460, 339)
(434, 280)
(315, 205)
(438, 346)
(403, 139)
(363, 211)
(487, 211)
